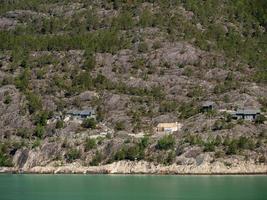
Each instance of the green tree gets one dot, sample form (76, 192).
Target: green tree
(146, 19)
(120, 155)
(119, 126)
(59, 124)
(124, 21)
(39, 131)
(42, 116)
(170, 158)
(232, 148)
(90, 62)
(144, 142)
(209, 146)
(90, 144)
(5, 159)
(89, 123)
(97, 159)
(7, 99)
(34, 102)
(218, 140)
(72, 154)
(23, 80)
(260, 119)
(165, 143)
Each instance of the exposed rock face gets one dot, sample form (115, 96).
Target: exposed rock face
(21, 158)
(143, 167)
(26, 159)
(11, 113)
(88, 95)
(6, 23)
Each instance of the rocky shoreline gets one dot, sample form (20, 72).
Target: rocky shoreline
(143, 167)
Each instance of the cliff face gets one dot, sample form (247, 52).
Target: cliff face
(143, 167)
(137, 64)
(204, 163)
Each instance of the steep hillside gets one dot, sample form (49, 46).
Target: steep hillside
(136, 63)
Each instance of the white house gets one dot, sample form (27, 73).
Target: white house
(169, 127)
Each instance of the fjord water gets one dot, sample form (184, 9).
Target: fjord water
(119, 187)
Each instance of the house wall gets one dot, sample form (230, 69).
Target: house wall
(170, 129)
(246, 117)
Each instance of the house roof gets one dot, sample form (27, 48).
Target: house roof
(207, 103)
(87, 112)
(81, 112)
(247, 112)
(73, 112)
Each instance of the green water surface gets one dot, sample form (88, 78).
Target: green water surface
(119, 187)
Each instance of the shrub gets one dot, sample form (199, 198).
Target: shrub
(59, 124)
(262, 159)
(72, 155)
(119, 126)
(194, 139)
(124, 21)
(157, 45)
(34, 102)
(132, 153)
(23, 132)
(101, 82)
(121, 154)
(187, 71)
(90, 144)
(232, 148)
(165, 143)
(36, 144)
(209, 146)
(82, 81)
(92, 21)
(7, 99)
(41, 117)
(227, 85)
(96, 159)
(90, 62)
(218, 125)
(218, 140)
(39, 131)
(187, 110)
(40, 73)
(146, 19)
(222, 124)
(89, 123)
(245, 143)
(143, 47)
(5, 160)
(260, 119)
(226, 141)
(23, 80)
(195, 92)
(219, 154)
(168, 106)
(263, 102)
(170, 158)
(144, 142)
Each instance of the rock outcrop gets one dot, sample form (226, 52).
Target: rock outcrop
(143, 167)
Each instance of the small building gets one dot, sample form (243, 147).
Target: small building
(168, 127)
(208, 106)
(82, 114)
(246, 114)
